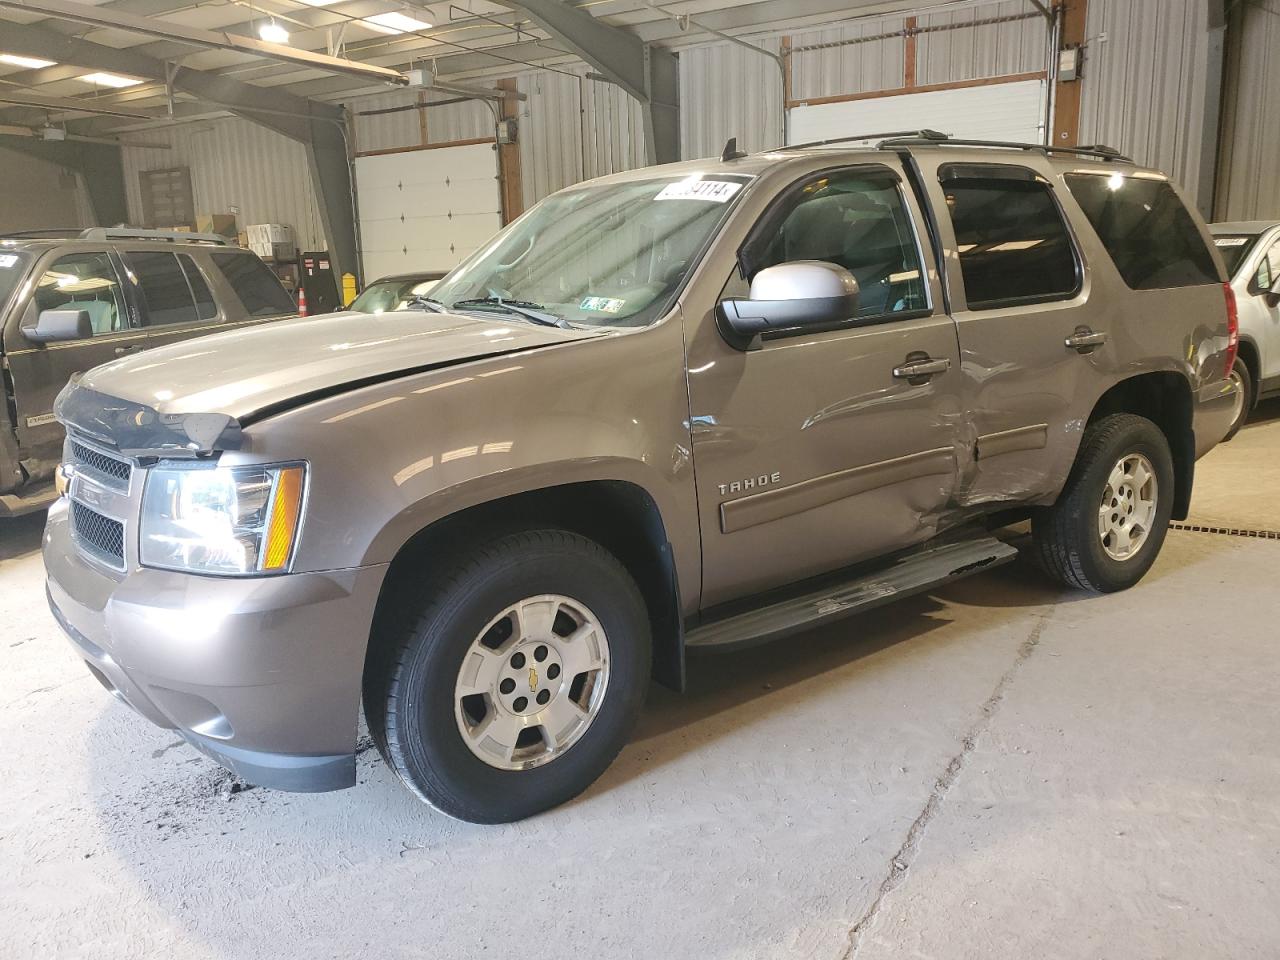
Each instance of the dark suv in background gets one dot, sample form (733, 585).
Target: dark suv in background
(72, 301)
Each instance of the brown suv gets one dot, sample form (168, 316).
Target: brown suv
(70, 301)
(689, 406)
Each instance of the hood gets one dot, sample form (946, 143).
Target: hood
(193, 395)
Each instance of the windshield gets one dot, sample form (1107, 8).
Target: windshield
(384, 295)
(1235, 249)
(13, 267)
(607, 255)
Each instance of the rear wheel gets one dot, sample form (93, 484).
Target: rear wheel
(1243, 382)
(1108, 525)
(514, 681)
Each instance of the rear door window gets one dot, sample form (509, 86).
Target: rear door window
(1151, 237)
(1012, 239)
(166, 295)
(257, 287)
(85, 281)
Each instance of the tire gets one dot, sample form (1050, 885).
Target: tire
(1068, 536)
(1244, 384)
(442, 743)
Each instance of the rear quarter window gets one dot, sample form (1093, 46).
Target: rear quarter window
(1150, 235)
(257, 287)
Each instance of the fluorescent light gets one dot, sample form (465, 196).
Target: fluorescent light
(394, 23)
(318, 3)
(110, 80)
(31, 63)
(272, 32)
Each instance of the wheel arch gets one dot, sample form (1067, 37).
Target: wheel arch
(621, 515)
(1252, 358)
(1165, 398)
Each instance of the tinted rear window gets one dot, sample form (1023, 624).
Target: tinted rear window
(1234, 249)
(1013, 243)
(1148, 232)
(257, 287)
(164, 287)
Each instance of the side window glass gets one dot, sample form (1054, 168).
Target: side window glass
(1013, 243)
(1269, 268)
(257, 287)
(206, 309)
(84, 281)
(1145, 227)
(857, 219)
(165, 291)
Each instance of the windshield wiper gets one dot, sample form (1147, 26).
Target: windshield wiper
(522, 308)
(425, 303)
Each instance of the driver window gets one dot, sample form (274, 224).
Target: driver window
(84, 281)
(857, 219)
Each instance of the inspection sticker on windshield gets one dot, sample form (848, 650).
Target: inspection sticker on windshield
(1230, 241)
(8, 259)
(717, 191)
(601, 304)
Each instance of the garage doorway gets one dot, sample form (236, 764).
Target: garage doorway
(426, 208)
(998, 109)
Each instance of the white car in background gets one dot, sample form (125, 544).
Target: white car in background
(1251, 251)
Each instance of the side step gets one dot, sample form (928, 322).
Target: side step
(909, 575)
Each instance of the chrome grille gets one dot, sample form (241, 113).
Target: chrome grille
(106, 468)
(98, 534)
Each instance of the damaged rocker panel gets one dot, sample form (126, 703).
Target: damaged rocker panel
(1032, 437)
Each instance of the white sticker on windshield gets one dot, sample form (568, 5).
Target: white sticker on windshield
(1230, 241)
(8, 259)
(717, 191)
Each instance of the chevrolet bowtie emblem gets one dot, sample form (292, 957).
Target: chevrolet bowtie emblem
(533, 679)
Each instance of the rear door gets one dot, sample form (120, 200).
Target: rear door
(80, 279)
(171, 295)
(1020, 288)
(821, 448)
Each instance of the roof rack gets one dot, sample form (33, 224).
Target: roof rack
(136, 233)
(1100, 151)
(930, 136)
(52, 233)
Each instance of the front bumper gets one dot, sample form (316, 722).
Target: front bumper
(261, 674)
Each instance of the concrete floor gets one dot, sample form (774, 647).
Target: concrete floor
(1002, 769)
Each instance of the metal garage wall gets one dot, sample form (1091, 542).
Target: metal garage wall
(1142, 77)
(986, 50)
(389, 131)
(728, 91)
(52, 196)
(865, 67)
(234, 163)
(1249, 168)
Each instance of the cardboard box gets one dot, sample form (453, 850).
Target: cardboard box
(223, 224)
(272, 241)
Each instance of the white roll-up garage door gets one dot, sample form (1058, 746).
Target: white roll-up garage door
(426, 209)
(996, 111)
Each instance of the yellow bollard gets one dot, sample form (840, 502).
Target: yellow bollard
(348, 288)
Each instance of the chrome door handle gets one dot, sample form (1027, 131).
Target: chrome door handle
(1085, 340)
(920, 370)
(132, 348)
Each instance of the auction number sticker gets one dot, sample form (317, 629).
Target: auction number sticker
(717, 191)
(1230, 241)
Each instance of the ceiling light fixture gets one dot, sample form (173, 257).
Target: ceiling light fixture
(30, 63)
(272, 32)
(110, 80)
(394, 23)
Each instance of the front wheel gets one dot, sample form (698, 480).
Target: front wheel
(1108, 525)
(513, 684)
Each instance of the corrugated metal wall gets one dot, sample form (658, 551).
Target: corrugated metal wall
(1249, 167)
(988, 50)
(728, 91)
(1142, 77)
(234, 163)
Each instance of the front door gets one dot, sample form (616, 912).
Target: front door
(86, 280)
(820, 449)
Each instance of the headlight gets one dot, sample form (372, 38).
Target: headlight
(237, 521)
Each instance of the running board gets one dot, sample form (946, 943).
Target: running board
(909, 575)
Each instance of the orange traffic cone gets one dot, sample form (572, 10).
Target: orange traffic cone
(302, 301)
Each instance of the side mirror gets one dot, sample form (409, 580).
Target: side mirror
(55, 325)
(802, 294)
